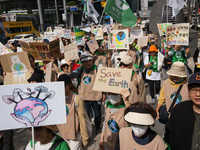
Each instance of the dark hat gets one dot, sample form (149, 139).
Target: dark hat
(194, 79)
(66, 78)
(35, 77)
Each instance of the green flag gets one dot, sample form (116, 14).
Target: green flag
(120, 11)
(79, 33)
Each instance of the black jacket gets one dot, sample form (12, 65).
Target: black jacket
(179, 129)
(196, 54)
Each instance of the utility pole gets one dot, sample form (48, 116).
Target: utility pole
(188, 15)
(41, 15)
(196, 12)
(56, 6)
(65, 12)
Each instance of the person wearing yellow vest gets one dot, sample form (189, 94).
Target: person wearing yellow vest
(137, 86)
(100, 57)
(153, 75)
(75, 130)
(140, 116)
(177, 77)
(86, 75)
(114, 121)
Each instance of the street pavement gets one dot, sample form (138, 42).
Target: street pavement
(23, 136)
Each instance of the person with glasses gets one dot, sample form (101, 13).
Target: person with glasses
(137, 87)
(153, 75)
(182, 131)
(177, 77)
(46, 139)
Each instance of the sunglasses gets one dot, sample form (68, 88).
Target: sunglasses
(37, 129)
(122, 64)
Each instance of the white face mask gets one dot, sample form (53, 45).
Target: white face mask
(139, 130)
(114, 99)
(74, 82)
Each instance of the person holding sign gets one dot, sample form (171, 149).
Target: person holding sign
(86, 75)
(100, 57)
(114, 119)
(75, 130)
(46, 139)
(137, 87)
(180, 54)
(140, 116)
(153, 75)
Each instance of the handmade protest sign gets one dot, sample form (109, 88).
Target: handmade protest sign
(73, 37)
(142, 41)
(177, 34)
(54, 48)
(121, 27)
(71, 52)
(135, 33)
(17, 67)
(162, 28)
(59, 31)
(35, 104)
(81, 42)
(152, 38)
(99, 34)
(50, 74)
(49, 29)
(49, 35)
(92, 44)
(67, 34)
(119, 39)
(112, 79)
(4, 49)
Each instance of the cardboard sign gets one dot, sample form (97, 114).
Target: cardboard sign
(42, 51)
(49, 29)
(67, 34)
(73, 37)
(71, 52)
(112, 79)
(118, 39)
(152, 38)
(92, 44)
(50, 74)
(162, 28)
(81, 42)
(4, 49)
(142, 41)
(121, 27)
(136, 33)
(99, 34)
(35, 104)
(54, 48)
(178, 34)
(17, 68)
(59, 31)
(49, 35)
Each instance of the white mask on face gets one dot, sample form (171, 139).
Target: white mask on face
(75, 82)
(139, 130)
(114, 99)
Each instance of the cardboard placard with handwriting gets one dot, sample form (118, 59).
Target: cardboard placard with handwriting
(142, 41)
(71, 52)
(50, 74)
(112, 79)
(17, 68)
(92, 44)
(178, 34)
(49, 35)
(152, 38)
(54, 48)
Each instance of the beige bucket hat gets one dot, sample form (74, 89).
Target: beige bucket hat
(177, 69)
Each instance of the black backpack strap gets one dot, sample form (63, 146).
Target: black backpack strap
(175, 98)
(55, 145)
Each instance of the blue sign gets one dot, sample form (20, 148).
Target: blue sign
(73, 8)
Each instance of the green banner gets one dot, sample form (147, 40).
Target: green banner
(120, 11)
(79, 33)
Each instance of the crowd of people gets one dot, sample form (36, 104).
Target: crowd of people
(128, 117)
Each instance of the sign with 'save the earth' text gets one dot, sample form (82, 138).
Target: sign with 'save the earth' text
(112, 79)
